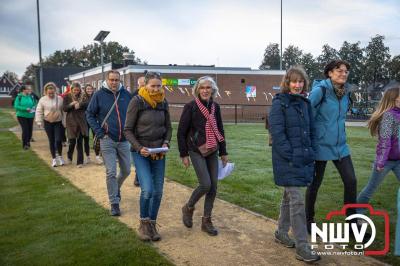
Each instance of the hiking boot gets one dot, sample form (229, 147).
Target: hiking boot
(136, 182)
(145, 230)
(305, 254)
(187, 215)
(115, 210)
(155, 236)
(208, 227)
(284, 239)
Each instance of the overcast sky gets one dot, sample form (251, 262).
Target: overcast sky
(225, 33)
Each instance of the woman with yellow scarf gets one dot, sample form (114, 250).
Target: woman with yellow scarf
(148, 125)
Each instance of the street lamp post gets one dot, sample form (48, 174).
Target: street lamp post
(40, 51)
(100, 38)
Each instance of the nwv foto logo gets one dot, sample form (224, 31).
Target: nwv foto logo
(339, 233)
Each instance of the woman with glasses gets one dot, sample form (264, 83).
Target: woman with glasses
(147, 126)
(201, 138)
(330, 100)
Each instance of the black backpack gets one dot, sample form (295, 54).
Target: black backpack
(323, 98)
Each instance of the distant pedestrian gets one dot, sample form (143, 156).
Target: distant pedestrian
(49, 116)
(25, 105)
(74, 105)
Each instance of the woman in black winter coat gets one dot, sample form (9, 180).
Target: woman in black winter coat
(291, 127)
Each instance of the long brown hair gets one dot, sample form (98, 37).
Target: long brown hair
(293, 74)
(387, 102)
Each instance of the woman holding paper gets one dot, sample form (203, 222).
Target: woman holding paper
(201, 137)
(148, 126)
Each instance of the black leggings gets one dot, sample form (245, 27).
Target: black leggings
(346, 171)
(79, 149)
(54, 134)
(207, 173)
(27, 128)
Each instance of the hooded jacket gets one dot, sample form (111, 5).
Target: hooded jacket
(100, 104)
(329, 118)
(293, 145)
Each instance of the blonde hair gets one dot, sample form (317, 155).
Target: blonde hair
(293, 74)
(48, 85)
(387, 102)
(201, 80)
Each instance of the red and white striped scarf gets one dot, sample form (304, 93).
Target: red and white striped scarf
(211, 129)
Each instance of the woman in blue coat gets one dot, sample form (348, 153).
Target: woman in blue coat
(291, 126)
(330, 100)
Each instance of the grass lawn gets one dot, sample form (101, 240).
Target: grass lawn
(251, 185)
(44, 220)
(6, 120)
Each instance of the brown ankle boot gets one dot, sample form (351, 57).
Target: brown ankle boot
(144, 230)
(187, 215)
(155, 236)
(208, 227)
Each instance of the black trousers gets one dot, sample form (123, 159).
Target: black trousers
(54, 134)
(27, 128)
(346, 171)
(86, 144)
(79, 148)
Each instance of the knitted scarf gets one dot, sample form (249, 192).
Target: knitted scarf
(211, 129)
(340, 91)
(152, 98)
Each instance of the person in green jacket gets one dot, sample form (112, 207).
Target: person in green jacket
(25, 106)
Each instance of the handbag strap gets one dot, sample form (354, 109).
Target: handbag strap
(111, 109)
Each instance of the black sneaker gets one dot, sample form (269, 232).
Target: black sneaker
(115, 210)
(305, 254)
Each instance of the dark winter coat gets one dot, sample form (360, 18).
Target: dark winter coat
(75, 121)
(191, 130)
(293, 146)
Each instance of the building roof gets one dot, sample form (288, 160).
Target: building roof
(184, 69)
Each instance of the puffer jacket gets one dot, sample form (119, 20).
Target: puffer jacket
(146, 126)
(329, 116)
(293, 145)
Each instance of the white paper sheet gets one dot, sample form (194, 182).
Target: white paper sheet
(224, 171)
(158, 150)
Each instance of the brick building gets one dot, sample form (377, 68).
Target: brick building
(244, 94)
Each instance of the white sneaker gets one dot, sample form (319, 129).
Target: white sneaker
(87, 160)
(79, 165)
(54, 162)
(60, 161)
(69, 161)
(99, 160)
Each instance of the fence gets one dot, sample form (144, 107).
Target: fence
(234, 113)
(246, 113)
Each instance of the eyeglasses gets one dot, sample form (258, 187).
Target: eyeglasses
(342, 71)
(113, 80)
(205, 87)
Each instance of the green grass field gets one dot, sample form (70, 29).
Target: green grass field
(44, 220)
(251, 185)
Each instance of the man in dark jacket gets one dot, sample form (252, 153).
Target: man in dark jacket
(112, 140)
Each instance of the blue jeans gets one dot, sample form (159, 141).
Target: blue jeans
(111, 151)
(375, 180)
(151, 178)
(397, 241)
